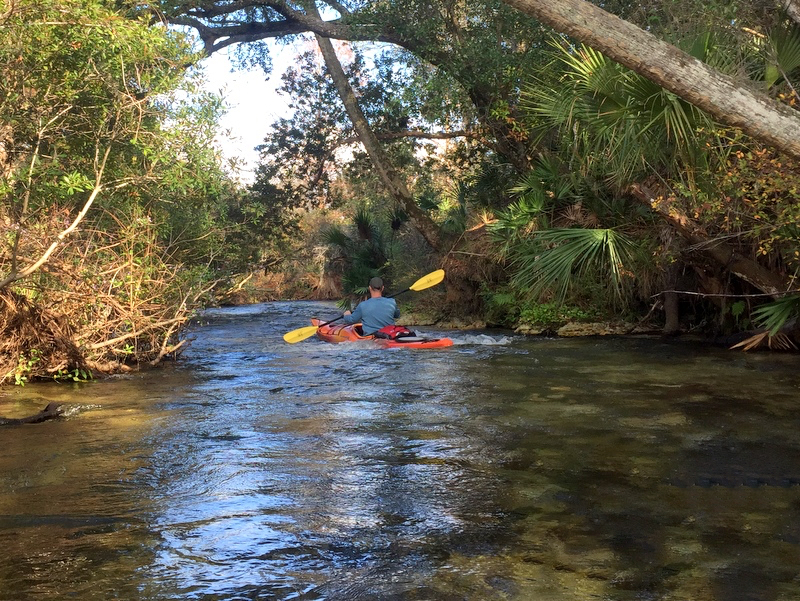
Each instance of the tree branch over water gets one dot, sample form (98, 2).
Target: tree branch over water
(727, 100)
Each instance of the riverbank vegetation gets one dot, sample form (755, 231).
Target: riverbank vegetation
(115, 208)
(554, 183)
(497, 140)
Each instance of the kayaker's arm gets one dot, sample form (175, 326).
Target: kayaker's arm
(353, 317)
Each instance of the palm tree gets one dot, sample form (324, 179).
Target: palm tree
(606, 127)
(362, 247)
(619, 126)
(615, 128)
(551, 237)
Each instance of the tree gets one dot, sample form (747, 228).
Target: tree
(479, 50)
(391, 179)
(98, 159)
(724, 194)
(623, 125)
(487, 50)
(724, 98)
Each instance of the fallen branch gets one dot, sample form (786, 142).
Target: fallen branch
(167, 350)
(118, 339)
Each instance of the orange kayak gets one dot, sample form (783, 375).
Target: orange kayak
(337, 333)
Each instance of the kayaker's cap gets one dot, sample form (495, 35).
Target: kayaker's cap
(376, 283)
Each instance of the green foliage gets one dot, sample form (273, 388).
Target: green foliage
(757, 201)
(397, 218)
(737, 309)
(26, 364)
(72, 183)
(539, 194)
(75, 375)
(361, 248)
(612, 127)
(773, 316)
(623, 126)
(107, 161)
(551, 314)
(550, 261)
(298, 152)
(480, 46)
(449, 206)
(99, 84)
(509, 307)
(781, 55)
(552, 242)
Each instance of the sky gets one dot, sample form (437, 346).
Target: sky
(254, 104)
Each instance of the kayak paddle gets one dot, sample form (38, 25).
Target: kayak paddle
(424, 282)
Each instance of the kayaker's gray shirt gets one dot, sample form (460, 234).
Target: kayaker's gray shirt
(374, 313)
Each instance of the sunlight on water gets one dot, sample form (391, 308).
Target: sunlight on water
(480, 339)
(502, 468)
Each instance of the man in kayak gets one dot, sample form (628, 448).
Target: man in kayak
(375, 312)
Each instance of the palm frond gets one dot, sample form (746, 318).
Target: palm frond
(617, 122)
(428, 201)
(552, 258)
(365, 223)
(773, 316)
(779, 341)
(456, 193)
(784, 53)
(487, 187)
(514, 223)
(337, 237)
(397, 217)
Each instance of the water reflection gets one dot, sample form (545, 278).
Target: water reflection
(502, 468)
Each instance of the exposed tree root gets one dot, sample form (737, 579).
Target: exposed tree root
(33, 336)
(106, 302)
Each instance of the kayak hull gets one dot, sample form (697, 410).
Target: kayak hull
(337, 333)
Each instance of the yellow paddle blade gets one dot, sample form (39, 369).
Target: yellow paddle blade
(427, 281)
(300, 334)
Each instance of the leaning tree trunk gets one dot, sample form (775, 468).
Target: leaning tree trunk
(380, 160)
(792, 8)
(719, 95)
(724, 255)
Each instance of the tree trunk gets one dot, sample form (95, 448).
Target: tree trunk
(397, 187)
(728, 101)
(672, 316)
(792, 8)
(721, 253)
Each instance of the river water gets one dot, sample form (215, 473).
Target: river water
(504, 468)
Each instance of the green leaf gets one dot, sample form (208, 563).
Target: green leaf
(774, 315)
(554, 257)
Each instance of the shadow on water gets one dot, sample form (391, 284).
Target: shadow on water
(500, 468)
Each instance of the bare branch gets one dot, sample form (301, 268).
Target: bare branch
(15, 276)
(216, 37)
(129, 335)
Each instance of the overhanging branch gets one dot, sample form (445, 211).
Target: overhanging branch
(218, 36)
